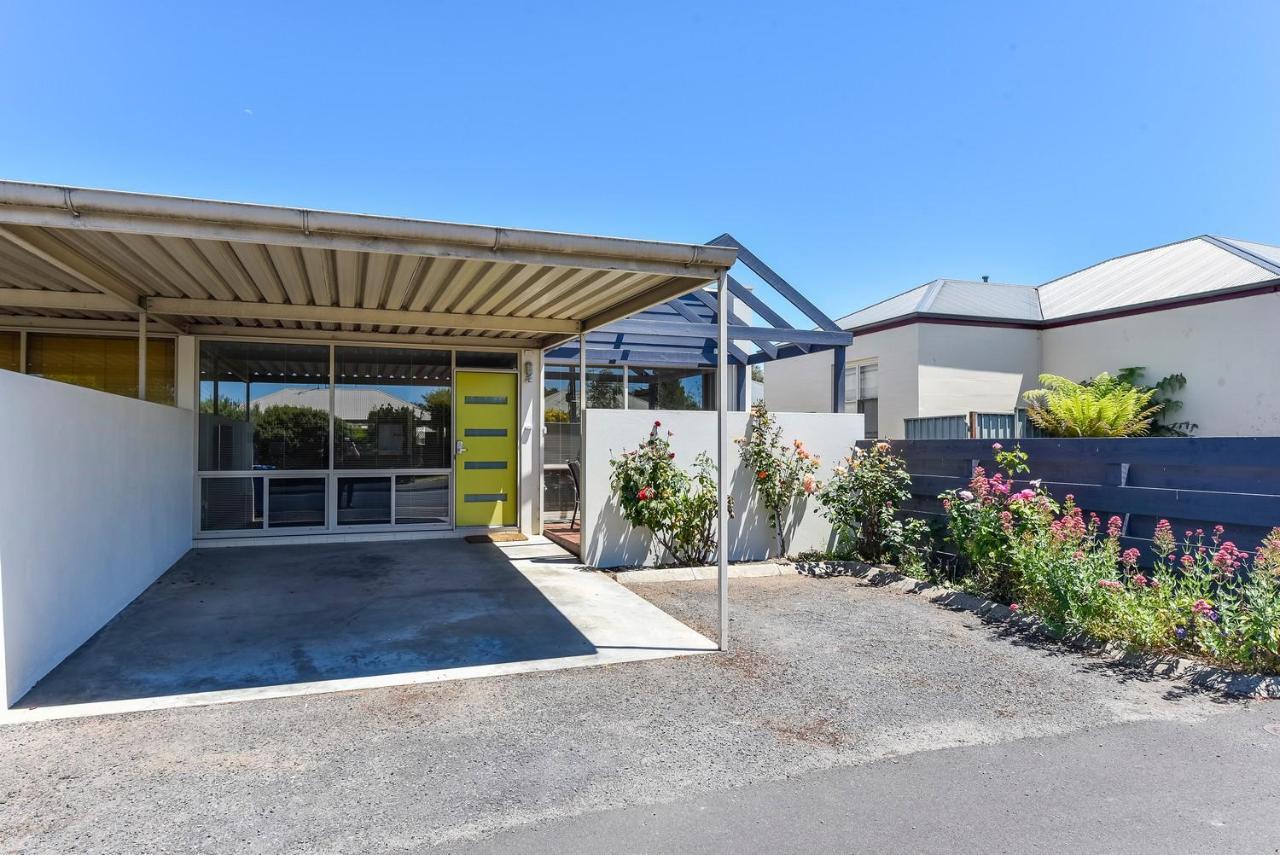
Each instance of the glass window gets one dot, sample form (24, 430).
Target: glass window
(263, 406)
(670, 389)
(604, 388)
(422, 499)
(488, 359)
(295, 502)
(862, 392)
(562, 438)
(229, 504)
(364, 501)
(106, 363)
(10, 344)
(392, 408)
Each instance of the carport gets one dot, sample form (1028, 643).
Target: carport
(263, 622)
(234, 308)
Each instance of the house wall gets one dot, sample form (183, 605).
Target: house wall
(1229, 352)
(971, 368)
(95, 504)
(802, 384)
(610, 541)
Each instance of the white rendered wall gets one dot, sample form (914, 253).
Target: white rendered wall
(95, 504)
(609, 541)
(1229, 352)
(529, 518)
(971, 368)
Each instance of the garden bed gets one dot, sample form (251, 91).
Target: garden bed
(1199, 674)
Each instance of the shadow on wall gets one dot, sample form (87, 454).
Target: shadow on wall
(612, 542)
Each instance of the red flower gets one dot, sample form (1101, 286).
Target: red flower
(762, 475)
(645, 494)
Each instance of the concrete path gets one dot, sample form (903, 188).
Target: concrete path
(268, 621)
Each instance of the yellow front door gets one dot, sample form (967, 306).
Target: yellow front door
(486, 463)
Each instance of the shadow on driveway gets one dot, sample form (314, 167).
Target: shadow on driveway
(246, 617)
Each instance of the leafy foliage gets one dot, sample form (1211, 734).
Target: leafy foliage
(679, 508)
(862, 500)
(1103, 406)
(1202, 596)
(1165, 388)
(781, 474)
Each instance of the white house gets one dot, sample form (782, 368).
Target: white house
(1206, 307)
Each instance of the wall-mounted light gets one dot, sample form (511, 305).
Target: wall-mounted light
(528, 371)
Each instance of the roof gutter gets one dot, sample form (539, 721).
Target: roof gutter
(73, 207)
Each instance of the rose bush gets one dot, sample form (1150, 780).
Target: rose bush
(678, 507)
(862, 500)
(782, 474)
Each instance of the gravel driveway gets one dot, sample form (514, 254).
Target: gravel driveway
(824, 672)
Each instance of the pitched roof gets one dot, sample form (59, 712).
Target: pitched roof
(1193, 267)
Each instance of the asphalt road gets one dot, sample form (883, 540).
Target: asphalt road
(1156, 786)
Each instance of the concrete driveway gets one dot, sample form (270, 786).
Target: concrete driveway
(833, 689)
(237, 623)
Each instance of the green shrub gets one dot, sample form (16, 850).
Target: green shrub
(679, 508)
(1202, 596)
(781, 474)
(862, 500)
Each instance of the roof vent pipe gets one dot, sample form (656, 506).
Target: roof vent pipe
(986, 278)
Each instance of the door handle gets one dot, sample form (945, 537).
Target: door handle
(459, 448)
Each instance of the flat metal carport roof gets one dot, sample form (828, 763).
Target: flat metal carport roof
(97, 259)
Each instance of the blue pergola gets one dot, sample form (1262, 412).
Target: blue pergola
(682, 332)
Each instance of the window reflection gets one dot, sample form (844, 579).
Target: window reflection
(263, 406)
(392, 408)
(669, 389)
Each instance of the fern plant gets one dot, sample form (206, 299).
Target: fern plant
(1103, 406)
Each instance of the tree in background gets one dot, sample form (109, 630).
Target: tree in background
(1103, 406)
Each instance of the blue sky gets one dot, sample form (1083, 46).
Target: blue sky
(860, 148)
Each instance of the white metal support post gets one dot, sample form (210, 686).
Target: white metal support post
(582, 445)
(142, 355)
(722, 452)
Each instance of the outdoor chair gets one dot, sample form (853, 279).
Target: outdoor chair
(575, 475)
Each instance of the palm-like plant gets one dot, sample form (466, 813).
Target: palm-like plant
(1103, 406)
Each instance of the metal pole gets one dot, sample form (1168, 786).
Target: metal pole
(837, 387)
(142, 356)
(722, 453)
(582, 446)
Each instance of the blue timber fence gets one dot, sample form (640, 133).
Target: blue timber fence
(1194, 482)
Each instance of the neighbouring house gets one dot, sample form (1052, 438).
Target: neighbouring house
(236, 374)
(1206, 308)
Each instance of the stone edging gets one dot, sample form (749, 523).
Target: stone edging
(1196, 673)
(747, 570)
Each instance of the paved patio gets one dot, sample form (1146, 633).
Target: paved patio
(237, 623)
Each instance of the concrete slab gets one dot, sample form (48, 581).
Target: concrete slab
(266, 621)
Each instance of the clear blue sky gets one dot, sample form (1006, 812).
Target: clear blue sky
(860, 148)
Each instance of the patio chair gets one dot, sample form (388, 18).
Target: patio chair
(575, 474)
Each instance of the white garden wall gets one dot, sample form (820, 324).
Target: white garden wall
(609, 541)
(95, 504)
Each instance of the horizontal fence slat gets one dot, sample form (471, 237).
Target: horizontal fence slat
(1195, 482)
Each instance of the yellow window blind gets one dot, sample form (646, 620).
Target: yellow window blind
(106, 363)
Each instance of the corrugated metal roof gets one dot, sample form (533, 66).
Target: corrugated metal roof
(1183, 269)
(217, 267)
(952, 297)
(984, 299)
(1193, 267)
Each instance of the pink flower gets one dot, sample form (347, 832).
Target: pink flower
(1202, 607)
(657, 423)
(1130, 557)
(1078, 555)
(1110, 584)
(809, 484)
(1228, 558)
(1114, 525)
(1001, 487)
(1013, 607)
(1140, 580)
(882, 447)
(966, 495)
(995, 446)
